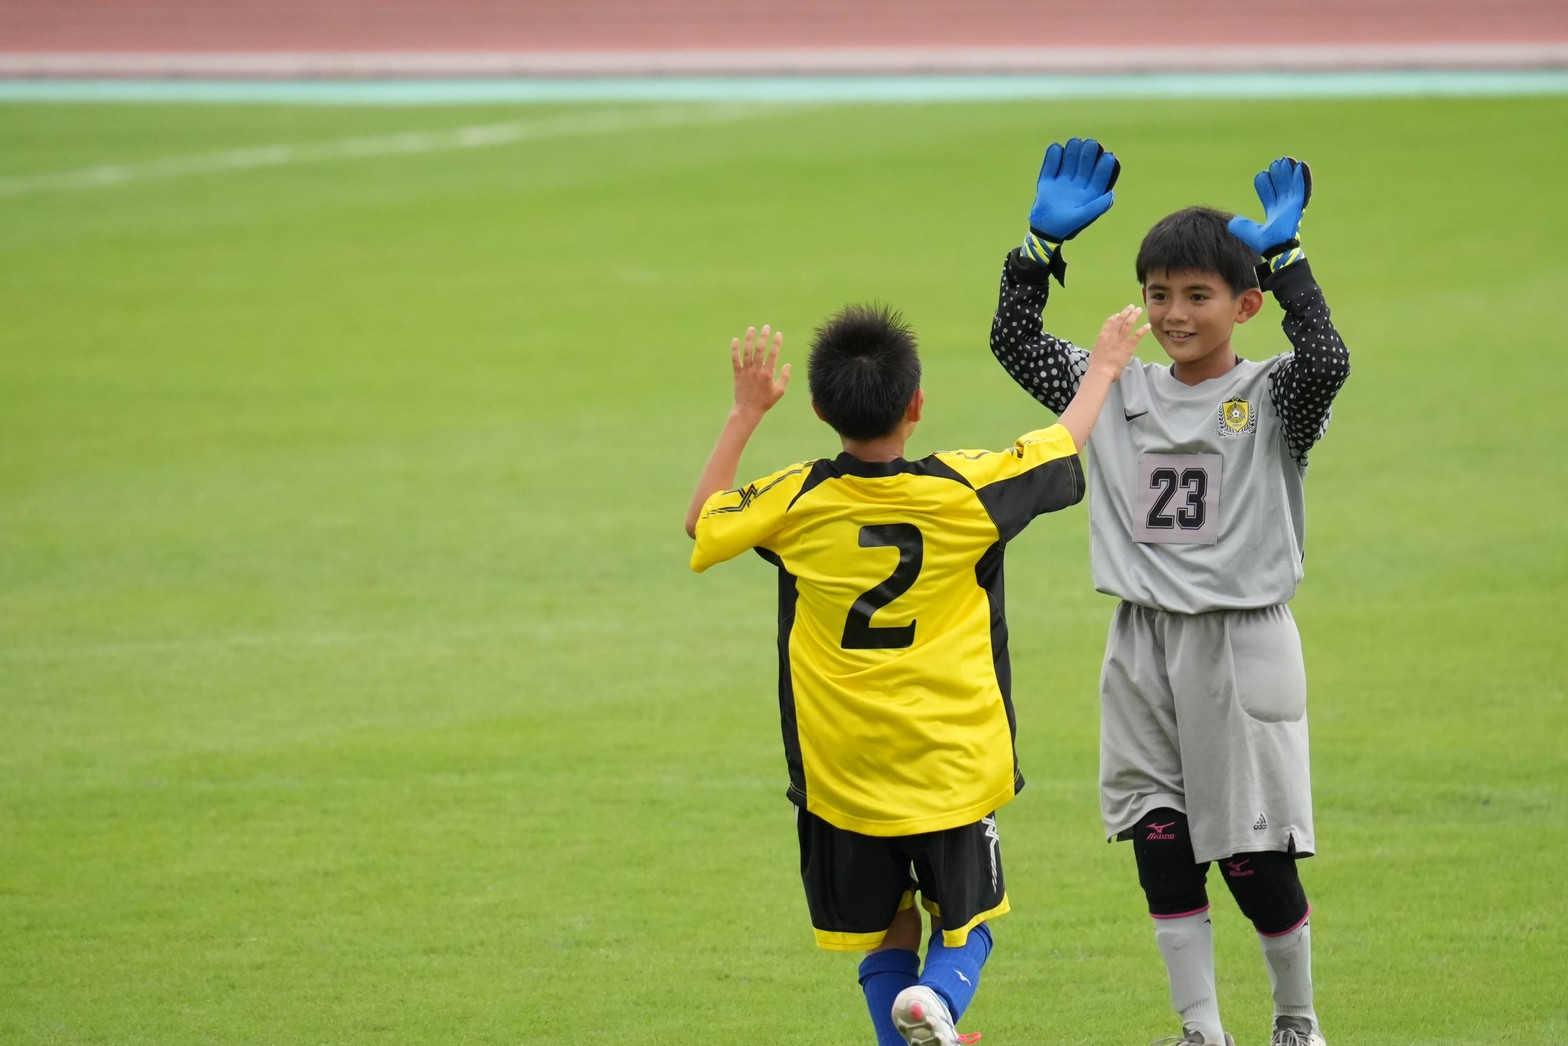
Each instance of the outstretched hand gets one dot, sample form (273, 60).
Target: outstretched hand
(757, 389)
(1118, 340)
(1112, 349)
(757, 386)
(1074, 188)
(1284, 190)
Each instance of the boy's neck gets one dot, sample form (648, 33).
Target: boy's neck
(1215, 365)
(876, 451)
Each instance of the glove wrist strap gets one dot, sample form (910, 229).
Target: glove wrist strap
(1046, 253)
(1287, 253)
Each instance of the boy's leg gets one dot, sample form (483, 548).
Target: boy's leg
(886, 972)
(954, 973)
(1268, 891)
(1143, 782)
(1255, 797)
(860, 893)
(960, 876)
(1174, 884)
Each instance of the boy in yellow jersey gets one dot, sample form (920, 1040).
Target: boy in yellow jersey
(894, 684)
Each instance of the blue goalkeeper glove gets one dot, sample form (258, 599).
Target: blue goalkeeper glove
(1284, 190)
(1073, 190)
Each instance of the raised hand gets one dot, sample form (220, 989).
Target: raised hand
(1118, 340)
(756, 385)
(1074, 188)
(1112, 349)
(1284, 190)
(757, 389)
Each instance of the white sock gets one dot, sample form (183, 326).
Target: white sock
(1187, 946)
(1289, 959)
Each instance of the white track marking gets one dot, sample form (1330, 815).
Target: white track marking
(218, 644)
(403, 144)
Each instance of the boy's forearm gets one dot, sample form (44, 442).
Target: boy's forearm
(1305, 385)
(1047, 368)
(1079, 417)
(719, 472)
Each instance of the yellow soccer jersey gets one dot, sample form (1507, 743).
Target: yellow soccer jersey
(894, 685)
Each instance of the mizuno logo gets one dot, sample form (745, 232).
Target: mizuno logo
(996, 841)
(1160, 831)
(1238, 869)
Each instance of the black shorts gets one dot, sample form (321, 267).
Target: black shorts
(855, 884)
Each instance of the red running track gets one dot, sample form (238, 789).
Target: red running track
(1406, 32)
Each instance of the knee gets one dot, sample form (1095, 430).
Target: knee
(978, 940)
(903, 933)
(1171, 877)
(1267, 889)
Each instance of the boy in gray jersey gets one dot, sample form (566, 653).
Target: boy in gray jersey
(1196, 524)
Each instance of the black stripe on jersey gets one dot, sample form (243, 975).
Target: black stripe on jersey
(1012, 503)
(822, 469)
(988, 575)
(788, 593)
(847, 464)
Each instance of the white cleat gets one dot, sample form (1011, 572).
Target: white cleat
(1295, 1031)
(922, 1018)
(1192, 1037)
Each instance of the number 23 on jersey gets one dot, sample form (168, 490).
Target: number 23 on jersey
(1178, 499)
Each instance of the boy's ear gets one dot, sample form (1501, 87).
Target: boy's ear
(1248, 304)
(818, 410)
(917, 406)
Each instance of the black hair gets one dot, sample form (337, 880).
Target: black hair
(863, 370)
(1197, 238)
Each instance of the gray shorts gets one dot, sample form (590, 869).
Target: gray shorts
(1207, 714)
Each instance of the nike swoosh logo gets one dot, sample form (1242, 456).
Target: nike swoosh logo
(1134, 417)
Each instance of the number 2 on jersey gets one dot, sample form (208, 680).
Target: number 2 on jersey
(859, 632)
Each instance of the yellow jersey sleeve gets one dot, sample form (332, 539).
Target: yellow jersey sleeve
(735, 521)
(1041, 472)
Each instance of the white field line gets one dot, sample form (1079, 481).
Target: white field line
(403, 144)
(66, 651)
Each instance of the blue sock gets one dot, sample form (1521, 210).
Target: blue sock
(954, 973)
(882, 976)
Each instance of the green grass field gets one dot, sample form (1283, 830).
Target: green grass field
(353, 684)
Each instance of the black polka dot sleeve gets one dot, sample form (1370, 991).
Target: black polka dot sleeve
(1049, 369)
(1305, 383)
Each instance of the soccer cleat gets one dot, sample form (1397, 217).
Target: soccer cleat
(1192, 1037)
(922, 1018)
(1295, 1031)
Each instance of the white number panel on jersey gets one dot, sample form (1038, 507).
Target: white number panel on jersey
(1178, 499)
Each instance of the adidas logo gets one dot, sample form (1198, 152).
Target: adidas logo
(1262, 823)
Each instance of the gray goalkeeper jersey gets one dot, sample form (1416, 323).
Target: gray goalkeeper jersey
(1196, 491)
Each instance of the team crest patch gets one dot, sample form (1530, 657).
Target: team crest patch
(1236, 418)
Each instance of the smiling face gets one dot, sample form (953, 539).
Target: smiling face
(1193, 312)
